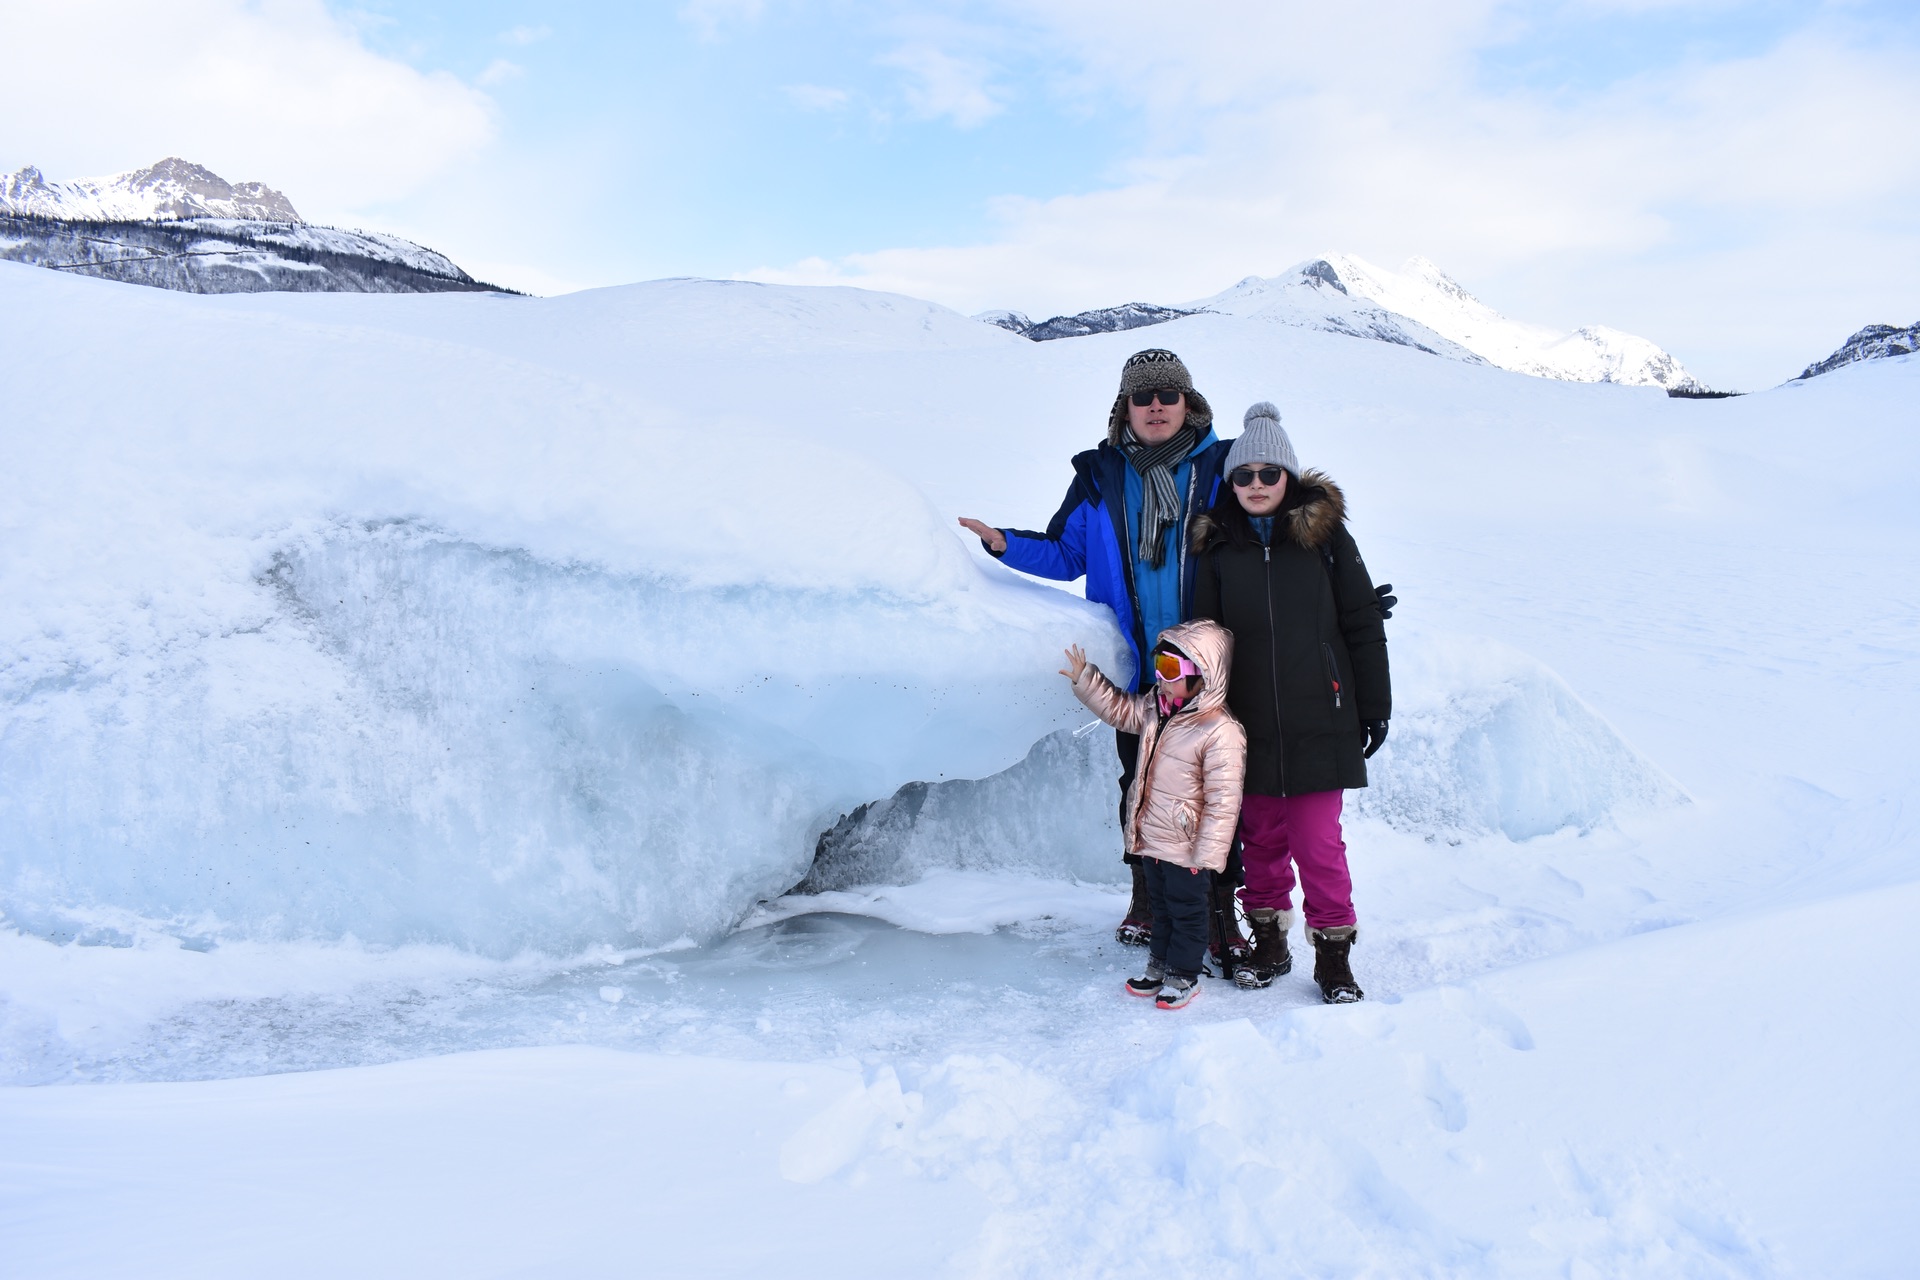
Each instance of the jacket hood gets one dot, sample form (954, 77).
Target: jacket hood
(1209, 646)
(1309, 524)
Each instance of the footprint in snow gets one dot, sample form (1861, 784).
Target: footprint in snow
(1446, 1105)
(1490, 1016)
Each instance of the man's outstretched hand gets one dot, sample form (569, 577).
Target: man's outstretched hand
(1076, 663)
(996, 541)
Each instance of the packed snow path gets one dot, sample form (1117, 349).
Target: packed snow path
(1634, 882)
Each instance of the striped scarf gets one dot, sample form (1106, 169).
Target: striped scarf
(1160, 504)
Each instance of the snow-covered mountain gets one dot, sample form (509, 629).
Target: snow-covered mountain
(232, 255)
(1421, 303)
(177, 225)
(1420, 307)
(1875, 342)
(171, 189)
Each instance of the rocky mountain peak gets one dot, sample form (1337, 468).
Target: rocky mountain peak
(169, 190)
(1875, 342)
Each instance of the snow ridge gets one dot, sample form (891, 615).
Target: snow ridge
(1875, 342)
(168, 190)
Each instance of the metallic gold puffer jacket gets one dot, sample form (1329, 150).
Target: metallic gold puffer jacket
(1185, 798)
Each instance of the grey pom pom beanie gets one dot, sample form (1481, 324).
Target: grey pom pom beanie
(1263, 439)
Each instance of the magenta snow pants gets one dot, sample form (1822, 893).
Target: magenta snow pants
(1278, 832)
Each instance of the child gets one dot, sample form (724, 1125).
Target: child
(1185, 798)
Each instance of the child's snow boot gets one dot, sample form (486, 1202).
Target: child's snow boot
(1137, 929)
(1225, 943)
(1176, 992)
(1330, 967)
(1270, 958)
(1148, 984)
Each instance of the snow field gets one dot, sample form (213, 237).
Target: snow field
(507, 603)
(1562, 1117)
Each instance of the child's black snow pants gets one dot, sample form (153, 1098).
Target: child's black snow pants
(1179, 899)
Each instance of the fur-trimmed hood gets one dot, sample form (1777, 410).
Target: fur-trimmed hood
(1309, 523)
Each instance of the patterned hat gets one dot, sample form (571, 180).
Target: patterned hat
(1150, 370)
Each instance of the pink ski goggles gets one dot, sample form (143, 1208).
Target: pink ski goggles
(1171, 666)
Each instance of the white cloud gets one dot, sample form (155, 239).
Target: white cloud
(278, 92)
(814, 97)
(525, 35)
(499, 72)
(713, 18)
(942, 85)
(1678, 203)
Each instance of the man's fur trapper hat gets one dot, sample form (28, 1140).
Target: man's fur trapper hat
(1151, 370)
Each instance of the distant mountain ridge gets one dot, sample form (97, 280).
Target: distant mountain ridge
(1419, 307)
(1131, 315)
(177, 225)
(1875, 342)
(173, 189)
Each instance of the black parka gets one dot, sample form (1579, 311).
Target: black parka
(1309, 646)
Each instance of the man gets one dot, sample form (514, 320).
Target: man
(1123, 525)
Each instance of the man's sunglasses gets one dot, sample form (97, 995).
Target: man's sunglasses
(1165, 395)
(1244, 476)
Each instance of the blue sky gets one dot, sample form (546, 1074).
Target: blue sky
(748, 135)
(1669, 167)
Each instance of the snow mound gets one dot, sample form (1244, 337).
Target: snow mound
(507, 679)
(1486, 739)
(420, 738)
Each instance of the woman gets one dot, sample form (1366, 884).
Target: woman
(1277, 567)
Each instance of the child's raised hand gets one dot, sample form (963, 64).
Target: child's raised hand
(1077, 662)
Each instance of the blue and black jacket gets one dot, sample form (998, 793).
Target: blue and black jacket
(1089, 535)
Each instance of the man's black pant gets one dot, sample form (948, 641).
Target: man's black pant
(1128, 745)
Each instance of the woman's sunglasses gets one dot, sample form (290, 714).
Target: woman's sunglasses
(1244, 476)
(1165, 395)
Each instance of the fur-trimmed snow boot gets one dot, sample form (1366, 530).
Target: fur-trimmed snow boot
(1137, 929)
(1225, 943)
(1270, 957)
(1330, 967)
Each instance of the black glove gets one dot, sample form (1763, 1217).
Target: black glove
(1376, 734)
(1387, 601)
